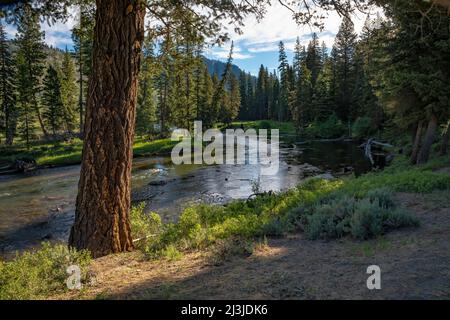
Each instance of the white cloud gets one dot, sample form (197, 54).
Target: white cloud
(278, 25)
(56, 35)
(223, 52)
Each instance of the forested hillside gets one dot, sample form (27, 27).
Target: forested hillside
(388, 77)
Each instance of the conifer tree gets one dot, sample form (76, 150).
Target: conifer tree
(345, 46)
(8, 112)
(283, 69)
(82, 36)
(52, 101)
(31, 46)
(146, 99)
(25, 113)
(68, 92)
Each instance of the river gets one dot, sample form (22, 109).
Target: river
(39, 206)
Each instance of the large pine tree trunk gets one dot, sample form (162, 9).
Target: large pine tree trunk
(80, 97)
(102, 207)
(428, 140)
(416, 143)
(445, 139)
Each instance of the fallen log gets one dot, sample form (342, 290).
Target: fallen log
(368, 148)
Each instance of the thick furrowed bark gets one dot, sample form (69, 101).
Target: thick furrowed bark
(445, 139)
(416, 143)
(428, 140)
(102, 207)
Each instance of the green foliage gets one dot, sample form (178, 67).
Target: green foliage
(68, 92)
(144, 225)
(68, 153)
(411, 180)
(362, 219)
(283, 127)
(52, 101)
(8, 108)
(39, 273)
(362, 127)
(360, 207)
(203, 225)
(331, 128)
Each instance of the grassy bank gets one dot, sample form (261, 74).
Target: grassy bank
(69, 153)
(284, 127)
(359, 208)
(352, 208)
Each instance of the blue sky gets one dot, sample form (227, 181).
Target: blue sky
(258, 44)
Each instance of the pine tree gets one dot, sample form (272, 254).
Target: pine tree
(345, 46)
(314, 58)
(30, 44)
(244, 108)
(26, 116)
(250, 99)
(260, 94)
(323, 100)
(301, 98)
(283, 69)
(146, 99)
(8, 110)
(68, 91)
(235, 96)
(52, 101)
(205, 98)
(82, 36)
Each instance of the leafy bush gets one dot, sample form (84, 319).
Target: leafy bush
(144, 225)
(330, 128)
(410, 180)
(202, 225)
(36, 274)
(362, 127)
(264, 124)
(362, 219)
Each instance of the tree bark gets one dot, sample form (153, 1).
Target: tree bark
(102, 208)
(416, 143)
(428, 140)
(445, 139)
(80, 98)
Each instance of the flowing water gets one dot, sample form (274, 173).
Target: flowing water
(40, 205)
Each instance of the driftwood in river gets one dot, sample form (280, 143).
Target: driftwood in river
(368, 148)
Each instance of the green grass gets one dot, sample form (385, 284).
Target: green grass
(284, 127)
(39, 273)
(69, 153)
(145, 148)
(360, 207)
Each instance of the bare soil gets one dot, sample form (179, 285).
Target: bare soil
(414, 262)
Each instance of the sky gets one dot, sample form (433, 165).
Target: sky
(258, 43)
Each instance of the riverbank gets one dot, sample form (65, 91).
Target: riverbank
(58, 154)
(300, 243)
(69, 153)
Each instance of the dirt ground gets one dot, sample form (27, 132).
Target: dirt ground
(414, 262)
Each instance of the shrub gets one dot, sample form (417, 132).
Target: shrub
(362, 127)
(264, 124)
(362, 219)
(330, 128)
(171, 253)
(36, 274)
(144, 226)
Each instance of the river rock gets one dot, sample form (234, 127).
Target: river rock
(157, 183)
(308, 169)
(326, 176)
(24, 165)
